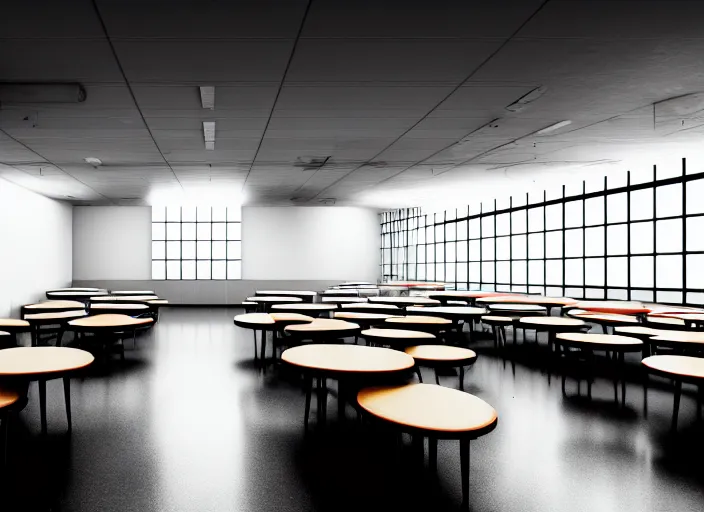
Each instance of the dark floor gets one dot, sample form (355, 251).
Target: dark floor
(188, 424)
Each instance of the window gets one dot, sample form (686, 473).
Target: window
(196, 243)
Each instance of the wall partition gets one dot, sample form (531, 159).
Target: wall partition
(634, 236)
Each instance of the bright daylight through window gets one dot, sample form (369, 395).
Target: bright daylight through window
(203, 243)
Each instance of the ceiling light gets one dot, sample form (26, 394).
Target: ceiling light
(207, 97)
(95, 162)
(553, 127)
(209, 134)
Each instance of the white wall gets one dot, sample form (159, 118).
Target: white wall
(310, 243)
(35, 247)
(112, 242)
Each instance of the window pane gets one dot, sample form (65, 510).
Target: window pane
(695, 271)
(594, 241)
(503, 248)
(536, 271)
(203, 249)
(234, 213)
(450, 252)
(173, 214)
(573, 272)
(159, 231)
(695, 191)
(188, 214)
(487, 272)
(594, 211)
(617, 239)
(234, 250)
(203, 231)
(573, 214)
(668, 200)
(488, 226)
(173, 250)
(594, 271)
(553, 271)
(642, 238)
(430, 253)
(642, 271)
(695, 233)
(219, 270)
(173, 231)
(218, 253)
(218, 216)
(204, 216)
(536, 245)
(158, 270)
(439, 253)
(188, 231)
(158, 251)
(553, 216)
(474, 228)
(642, 204)
(173, 270)
(518, 221)
(518, 249)
(553, 244)
(462, 250)
(440, 233)
(536, 219)
(668, 271)
(617, 272)
(219, 231)
(574, 242)
(503, 271)
(203, 269)
(158, 213)
(461, 229)
(503, 222)
(188, 270)
(616, 208)
(188, 250)
(487, 249)
(234, 231)
(474, 249)
(439, 272)
(462, 272)
(519, 271)
(669, 235)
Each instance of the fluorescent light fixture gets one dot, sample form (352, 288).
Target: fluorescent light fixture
(93, 161)
(553, 127)
(209, 134)
(207, 97)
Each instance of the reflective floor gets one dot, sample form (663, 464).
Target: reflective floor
(188, 424)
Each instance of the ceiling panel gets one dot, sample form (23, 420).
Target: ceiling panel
(388, 60)
(256, 98)
(49, 19)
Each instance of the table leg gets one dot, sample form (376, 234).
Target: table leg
(256, 354)
(322, 399)
(420, 377)
(676, 405)
(461, 378)
(309, 390)
(464, 463)
(622, 361)
(433, 456)
(437, 381)
(59, 335)
(42, 403)
(67, 399)
(262, 357)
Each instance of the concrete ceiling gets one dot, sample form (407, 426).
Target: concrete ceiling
(404, 101)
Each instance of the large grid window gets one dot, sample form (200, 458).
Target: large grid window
(196, 243)
(639, 237)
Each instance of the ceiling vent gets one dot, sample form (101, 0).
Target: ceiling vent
(312, 163)
(207, 97)
(41, 93)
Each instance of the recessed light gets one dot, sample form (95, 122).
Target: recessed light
(93, 161)
(207, 97)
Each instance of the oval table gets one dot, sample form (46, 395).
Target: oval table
(684, 342)
(139, 299)
(434, 412)
(457, 314)
(342, 300)
(679, 369)
(304, 295)
(52, 306)
(431, 324)
(266, 322)
(469, 296)
(323, 330)
(25, 364)
(126, 308)
(13, 326)
(59, 318)
(396, 338)
(442, 356)
(266, 301)
(368, 307)
(609, 343)
(606, 320)
(306, 308)
(340, 293)
(350, 365)
(78, 295)
(108, 328)
(365, 320)
(403, 302)
(128, 293)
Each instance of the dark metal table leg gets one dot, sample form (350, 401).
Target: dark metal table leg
(42, 403)
(461, 378)
(309, 391)
(67, 399)
(464, 463)
(622, 360)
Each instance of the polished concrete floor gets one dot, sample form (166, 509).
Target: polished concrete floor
(188, 424)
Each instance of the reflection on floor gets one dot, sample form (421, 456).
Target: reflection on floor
(189, 424)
